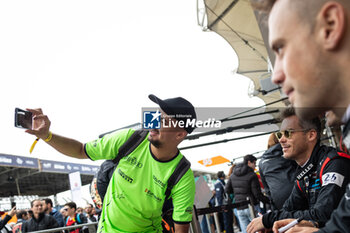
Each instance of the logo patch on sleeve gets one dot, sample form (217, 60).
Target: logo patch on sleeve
(188, 210)
(332, 178)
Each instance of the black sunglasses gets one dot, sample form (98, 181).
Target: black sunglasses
(288, 133)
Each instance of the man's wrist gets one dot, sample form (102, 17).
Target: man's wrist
(265, 221)
(49, 137)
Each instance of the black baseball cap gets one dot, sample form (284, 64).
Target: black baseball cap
(177, 108)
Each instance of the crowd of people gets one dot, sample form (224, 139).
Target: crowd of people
(301, 179)
(310, 40)
(42, 216)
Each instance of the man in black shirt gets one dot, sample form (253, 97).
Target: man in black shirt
(244, 183)
(89, 209)
(40, 220)
(321, 176)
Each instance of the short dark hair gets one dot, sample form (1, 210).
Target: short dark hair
(250, 158)
(48, 201)
(221, 174)
(71, 205)
(30, 212)
(307, 10)
(314, 123)
(32, 202)
(20, 214)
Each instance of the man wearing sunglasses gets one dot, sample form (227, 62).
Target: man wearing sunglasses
(74, 218)
(319, 185)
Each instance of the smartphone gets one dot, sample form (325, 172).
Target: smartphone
(13, 204)
(23, 119)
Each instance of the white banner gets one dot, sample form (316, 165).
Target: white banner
(203, 195)
(75, 187)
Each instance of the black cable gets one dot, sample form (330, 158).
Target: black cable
(252, 115)
(230, 129)
(224, 141)
(273, 102)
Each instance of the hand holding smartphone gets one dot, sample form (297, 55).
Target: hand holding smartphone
(38, 126)
(23, 119)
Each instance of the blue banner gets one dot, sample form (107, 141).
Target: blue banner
(62, 167)
(46, 165)
(18, 161)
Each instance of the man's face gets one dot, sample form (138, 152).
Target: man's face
(301, 66)
(25, 216)
(88, 209)
(63, 212)
(80, 210)
(37, 207)
(166, 134)
(45, 206)
(69, 211)
(252, 165)
(294, 146)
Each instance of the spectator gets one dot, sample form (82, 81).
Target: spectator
(312, 198)
(131, 196)
(90, 214)
(30, 214)
(244, 183)
(48, 209)
(276, 172)
(89, 210)
(7, 217)
(96, 213)
(232, 197)
(22, 216)
(335, 123)
(40, 220)
(64, 214)
(74, 218)
(222, 199)
(80, 210)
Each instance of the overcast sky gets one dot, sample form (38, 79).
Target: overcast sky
(90, 66)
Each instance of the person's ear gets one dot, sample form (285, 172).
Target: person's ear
(181, 134)
(312, 135)
(331, 24)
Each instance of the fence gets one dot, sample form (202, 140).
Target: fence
(195, 226)
(91, 227)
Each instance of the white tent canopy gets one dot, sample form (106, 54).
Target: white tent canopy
(236, 22)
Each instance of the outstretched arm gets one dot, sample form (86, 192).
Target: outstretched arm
(41, 129)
